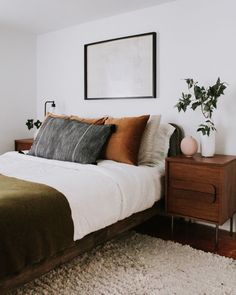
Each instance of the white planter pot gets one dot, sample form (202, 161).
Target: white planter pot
(208, 144)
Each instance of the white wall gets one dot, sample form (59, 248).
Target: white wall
(17, 85)
(196, 39)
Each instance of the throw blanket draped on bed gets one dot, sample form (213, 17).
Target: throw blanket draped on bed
(35, 223)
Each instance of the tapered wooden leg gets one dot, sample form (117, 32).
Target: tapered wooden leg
(231, 225)
(172, 226)
(216, 236)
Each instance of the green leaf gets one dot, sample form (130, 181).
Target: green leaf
(208, 121)
(198, 92)
(190, 83)
(30, 123)
(184, 107)
(195, 105)
(37, 124)
(200, 129)
(206, 108)
(214, 103)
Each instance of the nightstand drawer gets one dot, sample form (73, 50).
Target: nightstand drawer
(194, 173)
(194, 186)
(194, 203)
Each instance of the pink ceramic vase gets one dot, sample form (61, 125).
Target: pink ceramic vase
(189, 146)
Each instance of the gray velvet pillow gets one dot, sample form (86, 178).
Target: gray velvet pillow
(69, 140)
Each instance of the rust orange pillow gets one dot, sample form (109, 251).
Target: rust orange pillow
(96, 121)
(123, 145)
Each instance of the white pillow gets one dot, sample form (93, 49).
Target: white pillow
(160, 146)
(147, 146)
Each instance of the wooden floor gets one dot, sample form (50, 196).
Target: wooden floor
(196, 235)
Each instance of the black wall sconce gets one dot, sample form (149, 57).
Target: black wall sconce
(53, 105)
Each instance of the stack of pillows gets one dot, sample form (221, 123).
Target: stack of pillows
(132, 140)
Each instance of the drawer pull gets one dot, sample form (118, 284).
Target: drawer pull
(209, 190)
(214, 195)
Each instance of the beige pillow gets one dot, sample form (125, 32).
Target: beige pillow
(147, 149)
(161, 144)
(57, 116)
(123, 145)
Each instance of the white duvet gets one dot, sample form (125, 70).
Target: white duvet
(99, 195)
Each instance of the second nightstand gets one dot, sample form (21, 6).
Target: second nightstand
(202, 188)
(23, 144)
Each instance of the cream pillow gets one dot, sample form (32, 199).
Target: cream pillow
(160, 146)
(147, 146)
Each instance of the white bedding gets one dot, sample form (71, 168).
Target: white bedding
(99, 195)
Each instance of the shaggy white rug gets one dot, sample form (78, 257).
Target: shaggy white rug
(137, 264)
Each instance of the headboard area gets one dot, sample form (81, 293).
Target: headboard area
(175, 140)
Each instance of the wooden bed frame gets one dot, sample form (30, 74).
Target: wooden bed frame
(90, 241)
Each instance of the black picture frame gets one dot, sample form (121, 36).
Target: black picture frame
(99, 56)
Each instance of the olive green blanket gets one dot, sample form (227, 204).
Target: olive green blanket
(35, 223)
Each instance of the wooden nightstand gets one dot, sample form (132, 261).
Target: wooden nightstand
(23, 144)
(202, 189)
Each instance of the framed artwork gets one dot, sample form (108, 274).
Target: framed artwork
(121, 68)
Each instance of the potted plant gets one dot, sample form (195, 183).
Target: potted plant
(31, 124)
(206, 99)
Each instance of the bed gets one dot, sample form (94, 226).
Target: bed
(102, 210)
